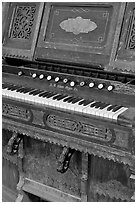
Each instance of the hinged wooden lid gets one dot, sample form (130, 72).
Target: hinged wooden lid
(21, 29)
(81, 33)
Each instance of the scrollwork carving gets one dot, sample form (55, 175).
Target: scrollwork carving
(77, 127)
(22, 22)
(13, 144)
(64, 159)
(15, 112)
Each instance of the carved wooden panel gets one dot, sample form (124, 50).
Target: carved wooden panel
(81, 33)
(125, 55)
(80, 133)
(77, 127)
(17, 112)
(21, 29)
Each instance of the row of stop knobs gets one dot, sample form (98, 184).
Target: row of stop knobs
(71, 83)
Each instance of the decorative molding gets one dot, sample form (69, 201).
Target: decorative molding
(99, 133)
(78, 25)
(64, 159)
(13, 143)
(15, 112)
(96, 149)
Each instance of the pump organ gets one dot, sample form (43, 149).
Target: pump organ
(68, 101)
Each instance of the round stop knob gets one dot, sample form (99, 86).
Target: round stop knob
(110, 88)
(72, 83)
(65, 81)
(41, 76)
(100, 86)
(92, 84)
(34, 75)
(20, 73)
(57, 79)
(82, 83)
(49, 78)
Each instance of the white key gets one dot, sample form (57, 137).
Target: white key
(52, 102)
(115, 116)
(88, 109)
(62, 104)
(111, 113)
(73, 106)
(57, 103)
(102, 112)
(80, 108)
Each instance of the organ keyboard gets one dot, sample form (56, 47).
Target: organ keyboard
(68, 95)
(63, 102)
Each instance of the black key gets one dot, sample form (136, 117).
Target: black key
(44, 93)
(98, 105)
(117, 108)
(104, 106)
(37, 92)
(57, 96)
(66, 99)
(111, 107)
(60, 98)
(4, 86)
(82, 102)
(32, 91)
(71, 99)
(26, 90)
(14, 88)
(94, 104)
(50, 95)
(87, 102)
(76, 100)
(20, 89)
(7, 85)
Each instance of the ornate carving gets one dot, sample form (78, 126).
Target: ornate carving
(15, 112)
(78, 25)
(22, 23)
(13, 144)
(85, 147)
(64, 159)
(130, 44)
(98, 133)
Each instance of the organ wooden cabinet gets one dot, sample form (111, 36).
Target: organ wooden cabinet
(68, 101)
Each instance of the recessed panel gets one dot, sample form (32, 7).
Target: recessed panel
(21, 29)
(78, 25)
(80, 33)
